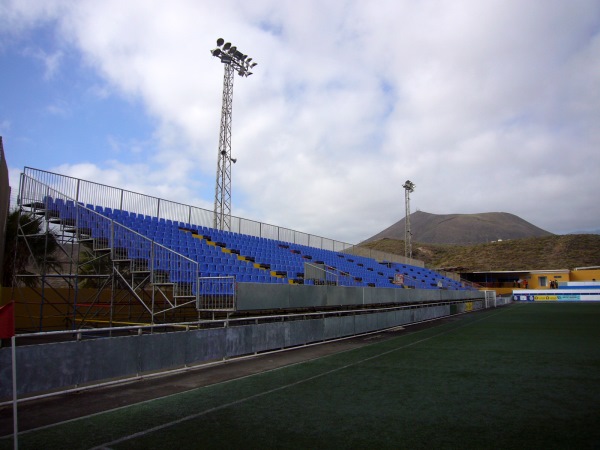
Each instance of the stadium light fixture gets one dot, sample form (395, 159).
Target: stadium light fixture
(233, 61)
(229, 54)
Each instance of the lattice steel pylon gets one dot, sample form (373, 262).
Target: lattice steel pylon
(409, 187)
(233, 61)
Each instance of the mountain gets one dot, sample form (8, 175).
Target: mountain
(462, 228)
(596, 231)
(546, 252)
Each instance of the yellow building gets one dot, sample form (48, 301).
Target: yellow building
(585, 274)
(504, 282)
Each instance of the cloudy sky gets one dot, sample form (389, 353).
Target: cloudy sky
(486, 105)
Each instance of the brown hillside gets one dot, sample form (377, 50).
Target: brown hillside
(462, 228)
(548, 252)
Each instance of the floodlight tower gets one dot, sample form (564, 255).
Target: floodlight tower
(233, 61)
(409, 187)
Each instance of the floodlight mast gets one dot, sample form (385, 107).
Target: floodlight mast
(233, 61)
(409, 187)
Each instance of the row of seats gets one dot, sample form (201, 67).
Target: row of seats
(224, 253)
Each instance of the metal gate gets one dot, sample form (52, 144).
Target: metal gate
(216, 294)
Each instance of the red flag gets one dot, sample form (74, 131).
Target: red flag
(7, 321)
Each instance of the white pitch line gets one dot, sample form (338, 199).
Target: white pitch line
(280, 388)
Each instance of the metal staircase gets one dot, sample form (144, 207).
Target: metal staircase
(102, 274)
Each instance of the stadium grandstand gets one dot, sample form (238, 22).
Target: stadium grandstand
(130, 285)
(163, 261)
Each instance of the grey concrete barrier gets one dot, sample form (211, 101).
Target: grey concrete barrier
(54, 366)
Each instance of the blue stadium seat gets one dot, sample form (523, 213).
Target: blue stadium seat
(286, 258)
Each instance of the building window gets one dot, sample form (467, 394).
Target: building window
(543, 281)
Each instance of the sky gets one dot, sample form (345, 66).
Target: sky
(485, 105)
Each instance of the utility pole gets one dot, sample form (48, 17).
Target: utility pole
(409, 187)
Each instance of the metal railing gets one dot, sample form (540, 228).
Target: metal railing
(216, 294)
(321, 274)
(91, 193)
(165, 266)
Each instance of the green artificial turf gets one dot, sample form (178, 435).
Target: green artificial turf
(524, 376)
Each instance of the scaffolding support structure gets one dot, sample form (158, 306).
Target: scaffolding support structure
(82, 273)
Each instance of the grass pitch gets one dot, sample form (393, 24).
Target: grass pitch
(523, 376)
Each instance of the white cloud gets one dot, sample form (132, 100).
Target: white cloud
(486, 106)
(120, 146)
(14, 176)
(4, 126)
(50, 61)
(59, 108)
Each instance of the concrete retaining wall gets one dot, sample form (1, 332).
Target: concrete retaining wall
(257, 296)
